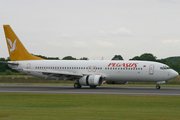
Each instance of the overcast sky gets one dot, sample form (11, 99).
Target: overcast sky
(93, 28)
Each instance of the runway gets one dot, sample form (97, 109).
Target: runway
(169, 91)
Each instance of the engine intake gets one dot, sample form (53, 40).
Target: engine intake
(91, 80)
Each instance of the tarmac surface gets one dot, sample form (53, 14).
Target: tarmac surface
(168, 91)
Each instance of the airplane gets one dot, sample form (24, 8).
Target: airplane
(85, 72)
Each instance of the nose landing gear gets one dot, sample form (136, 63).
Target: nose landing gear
(160, 82)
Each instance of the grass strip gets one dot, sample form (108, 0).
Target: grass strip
(20, 106)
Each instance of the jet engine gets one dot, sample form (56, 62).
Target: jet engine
(91, 80)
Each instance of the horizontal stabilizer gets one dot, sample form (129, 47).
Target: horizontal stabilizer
(9, 63)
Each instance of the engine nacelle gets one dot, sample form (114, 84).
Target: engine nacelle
(116, 82)
(91, 80)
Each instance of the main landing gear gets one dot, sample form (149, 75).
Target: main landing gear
(77, 85)
(158, 86)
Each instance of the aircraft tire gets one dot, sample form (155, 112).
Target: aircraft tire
(77, 85)
(158, 86)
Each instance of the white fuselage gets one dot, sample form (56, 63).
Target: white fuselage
(117, 71)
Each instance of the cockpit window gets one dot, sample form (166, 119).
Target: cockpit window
(165, 67)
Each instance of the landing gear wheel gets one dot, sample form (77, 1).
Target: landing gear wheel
(77, 85)
(158, 86)
(92, 86)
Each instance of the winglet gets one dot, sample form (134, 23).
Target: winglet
(17, 51)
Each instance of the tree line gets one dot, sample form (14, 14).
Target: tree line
(172, 62)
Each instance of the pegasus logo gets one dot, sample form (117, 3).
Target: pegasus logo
(12, 46)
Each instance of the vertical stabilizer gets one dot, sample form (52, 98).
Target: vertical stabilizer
(17, 51)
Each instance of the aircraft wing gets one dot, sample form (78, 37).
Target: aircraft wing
(61, 75)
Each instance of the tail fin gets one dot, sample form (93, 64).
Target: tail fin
(17, 51)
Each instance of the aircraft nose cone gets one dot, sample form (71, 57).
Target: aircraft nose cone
(174, 74)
